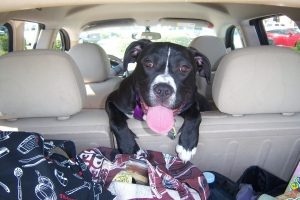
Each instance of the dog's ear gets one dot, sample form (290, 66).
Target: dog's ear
(203, 64)
(133, 51)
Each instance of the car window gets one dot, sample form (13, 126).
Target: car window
(233, 38)
(4, 40)
(58, 42)
(282, 31)
(237, 39)
(31, 33)
(114, 40)
(62, 41)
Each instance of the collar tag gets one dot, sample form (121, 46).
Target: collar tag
(172, 133)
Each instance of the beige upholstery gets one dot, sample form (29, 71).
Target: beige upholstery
(230, 144)
(92, 62)
(258, 89)
(258, 80)
(214, 49)
(88, 128)
(94, 65)
(41, 88)
(97, 93)
(39, 83)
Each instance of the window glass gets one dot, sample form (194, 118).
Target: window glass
(237, 39)
(282, 31)
(114, 40)
(58, 42)
(31, 32)
(4, 43)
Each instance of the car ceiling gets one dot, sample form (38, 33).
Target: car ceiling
(76, 16)
(9, 5)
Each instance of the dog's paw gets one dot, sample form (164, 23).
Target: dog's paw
(184, 154)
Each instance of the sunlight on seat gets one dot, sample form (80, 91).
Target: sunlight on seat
(8, 128)
(89, 90)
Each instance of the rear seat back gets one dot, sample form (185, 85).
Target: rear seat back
(43, 91)
(94, 65)
(229, 142)
(257, 91)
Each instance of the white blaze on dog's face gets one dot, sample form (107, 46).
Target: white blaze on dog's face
(164, 78)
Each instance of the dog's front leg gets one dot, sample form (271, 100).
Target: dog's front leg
(188, 140)
(124, 136)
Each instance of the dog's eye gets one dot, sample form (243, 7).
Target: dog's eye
(148, 64)
(184, 69)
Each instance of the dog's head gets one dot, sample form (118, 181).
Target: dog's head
(165, 73)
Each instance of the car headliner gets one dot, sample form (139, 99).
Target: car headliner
(74, 15)
(8, 5)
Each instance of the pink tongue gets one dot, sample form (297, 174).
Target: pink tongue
(160, 119)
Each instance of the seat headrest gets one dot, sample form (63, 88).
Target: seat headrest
(92, 61)
(39, 83)
(212, 47)
(253, 80)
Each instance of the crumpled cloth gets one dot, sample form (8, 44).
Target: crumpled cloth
(34, 168)
(164, 171)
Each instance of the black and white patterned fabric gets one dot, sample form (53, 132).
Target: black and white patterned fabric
(34, 168)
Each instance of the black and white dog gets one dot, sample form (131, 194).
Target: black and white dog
(165, 75)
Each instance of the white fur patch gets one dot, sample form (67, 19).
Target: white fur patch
(165, 78)
(130, 116)
(185, 155)
(167, 63)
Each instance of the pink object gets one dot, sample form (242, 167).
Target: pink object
(160, 119)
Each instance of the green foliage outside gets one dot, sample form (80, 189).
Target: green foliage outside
(3, 44)
(57, 45)
(297, 48)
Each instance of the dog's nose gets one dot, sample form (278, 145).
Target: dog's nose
(163, 90)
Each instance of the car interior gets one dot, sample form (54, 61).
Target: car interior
(59, 61)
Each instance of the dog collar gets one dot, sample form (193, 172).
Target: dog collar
(138, 112)
(172, 133)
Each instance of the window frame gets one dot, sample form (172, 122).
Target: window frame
(40, 28)
(10, 36)
(65, 39)
(260, 28)
(229, 37)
